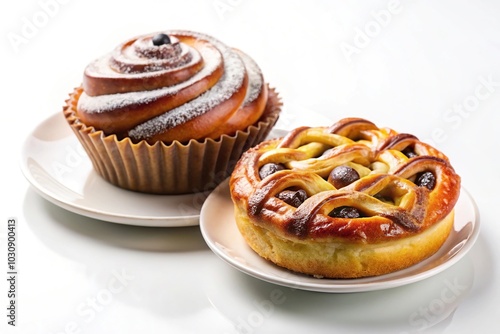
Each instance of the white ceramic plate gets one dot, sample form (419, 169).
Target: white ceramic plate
(56, 165)
(222, 236)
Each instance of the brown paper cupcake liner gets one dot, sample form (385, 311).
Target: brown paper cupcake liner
(174, 168)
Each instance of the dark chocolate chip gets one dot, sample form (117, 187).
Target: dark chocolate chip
(292, 197)
(342, 176)
(270, 168)
(345, 212)
(161, 39)
(409, 152)
(426, 179)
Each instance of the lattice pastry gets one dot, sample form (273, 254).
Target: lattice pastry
(346, 201)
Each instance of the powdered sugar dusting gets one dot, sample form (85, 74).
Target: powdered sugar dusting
(163, 57)
(100, 67)
(104, 103)
(255, 79)
(230, 82)
(236, 66)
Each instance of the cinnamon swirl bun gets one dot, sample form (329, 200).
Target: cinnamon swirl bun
(179, 102)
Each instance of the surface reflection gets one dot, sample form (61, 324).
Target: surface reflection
(170, 272)
(158, 265)
(83, 230)
(260, 307)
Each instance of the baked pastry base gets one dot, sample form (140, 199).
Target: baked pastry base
(340, 259)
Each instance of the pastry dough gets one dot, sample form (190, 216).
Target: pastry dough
(194, 87)
(171, 112)
(346, 201)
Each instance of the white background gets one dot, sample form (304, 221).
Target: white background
(430, 68)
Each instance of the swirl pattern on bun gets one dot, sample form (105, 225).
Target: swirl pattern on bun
(171, 112)
(190, 86)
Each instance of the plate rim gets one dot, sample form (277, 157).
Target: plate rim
(113, 217)
(355, 285)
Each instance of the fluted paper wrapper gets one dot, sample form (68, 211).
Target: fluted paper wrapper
(173, 168)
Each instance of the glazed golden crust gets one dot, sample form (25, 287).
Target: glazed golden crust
(342, 259)
(395, 207)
